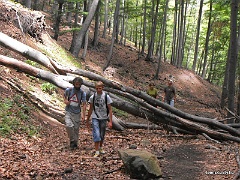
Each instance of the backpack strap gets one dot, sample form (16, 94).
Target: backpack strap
(106, 103)
(94, 105)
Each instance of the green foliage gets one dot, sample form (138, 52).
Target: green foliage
(48, 88)
(15, 118)
(119, 113)
(69, 30)
(32, 63)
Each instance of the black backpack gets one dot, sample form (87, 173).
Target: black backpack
(105, 103)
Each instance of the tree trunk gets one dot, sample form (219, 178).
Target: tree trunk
(233, 57)
(105, 19)
(153, 33)
(79, 39)
(144, 26)
(174, 39)
(162, 40)
(26, 51)
(207, 42)
(70, 8)
(27, 3)
(96, 29)
(197, 37)
(180, 34)
(58, 20)
(113, 35)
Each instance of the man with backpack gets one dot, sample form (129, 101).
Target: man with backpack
(73, 98)
(101, 112)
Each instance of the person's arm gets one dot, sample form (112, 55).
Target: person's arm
(110, 116)
(83, 96)
(84, 111)
(65, 99)
(164, 95)
(175, 94)
(156, 94)
(89, 115)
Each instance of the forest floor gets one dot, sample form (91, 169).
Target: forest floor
(47, 156)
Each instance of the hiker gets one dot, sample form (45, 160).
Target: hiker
(101, 112)
(170, 93)
(152, 91)
(73, 98)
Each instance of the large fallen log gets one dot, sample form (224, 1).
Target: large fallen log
(45, 61)
(159, 115)
(26, 51)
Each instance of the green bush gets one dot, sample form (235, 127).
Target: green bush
(15, 118)
(48, 88)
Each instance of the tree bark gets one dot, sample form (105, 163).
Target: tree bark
(113, 35)
(197, 36)
(79, 39)
(233, 57)
(26, 51)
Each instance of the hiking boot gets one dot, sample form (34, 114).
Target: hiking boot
(73, 145)
(101, 151)
(96, 154)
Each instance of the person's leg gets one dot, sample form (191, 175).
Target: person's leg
(171, 103)
(166, 101)
(96, 136)
(69, 128)
(76, 122)
(102, 124)
(97, 145)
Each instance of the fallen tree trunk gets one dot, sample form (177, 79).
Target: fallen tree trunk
(211, 133)
(26, 51)
(159, 116)
(133, 93)
(42, 59)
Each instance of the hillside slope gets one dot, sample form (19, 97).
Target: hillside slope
(47, 156)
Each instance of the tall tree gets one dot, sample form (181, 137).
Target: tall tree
(162, 39)
(105, 18)
(174, 39)
(27, 3)
(36, 5)
(123, 23)
(207, 42)
(180, 36)
(153, 33)
(79, 39)
(144, 26)
(233, 58)
(97, 24)
(70, 9)
(116, 13)
(58, 19)
(197, 37)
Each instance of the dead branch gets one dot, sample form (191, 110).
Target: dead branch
(111, 171)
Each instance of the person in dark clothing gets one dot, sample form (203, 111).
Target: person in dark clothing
(170, 94)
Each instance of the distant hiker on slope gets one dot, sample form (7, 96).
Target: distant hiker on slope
(169, 93)
(152, 91)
